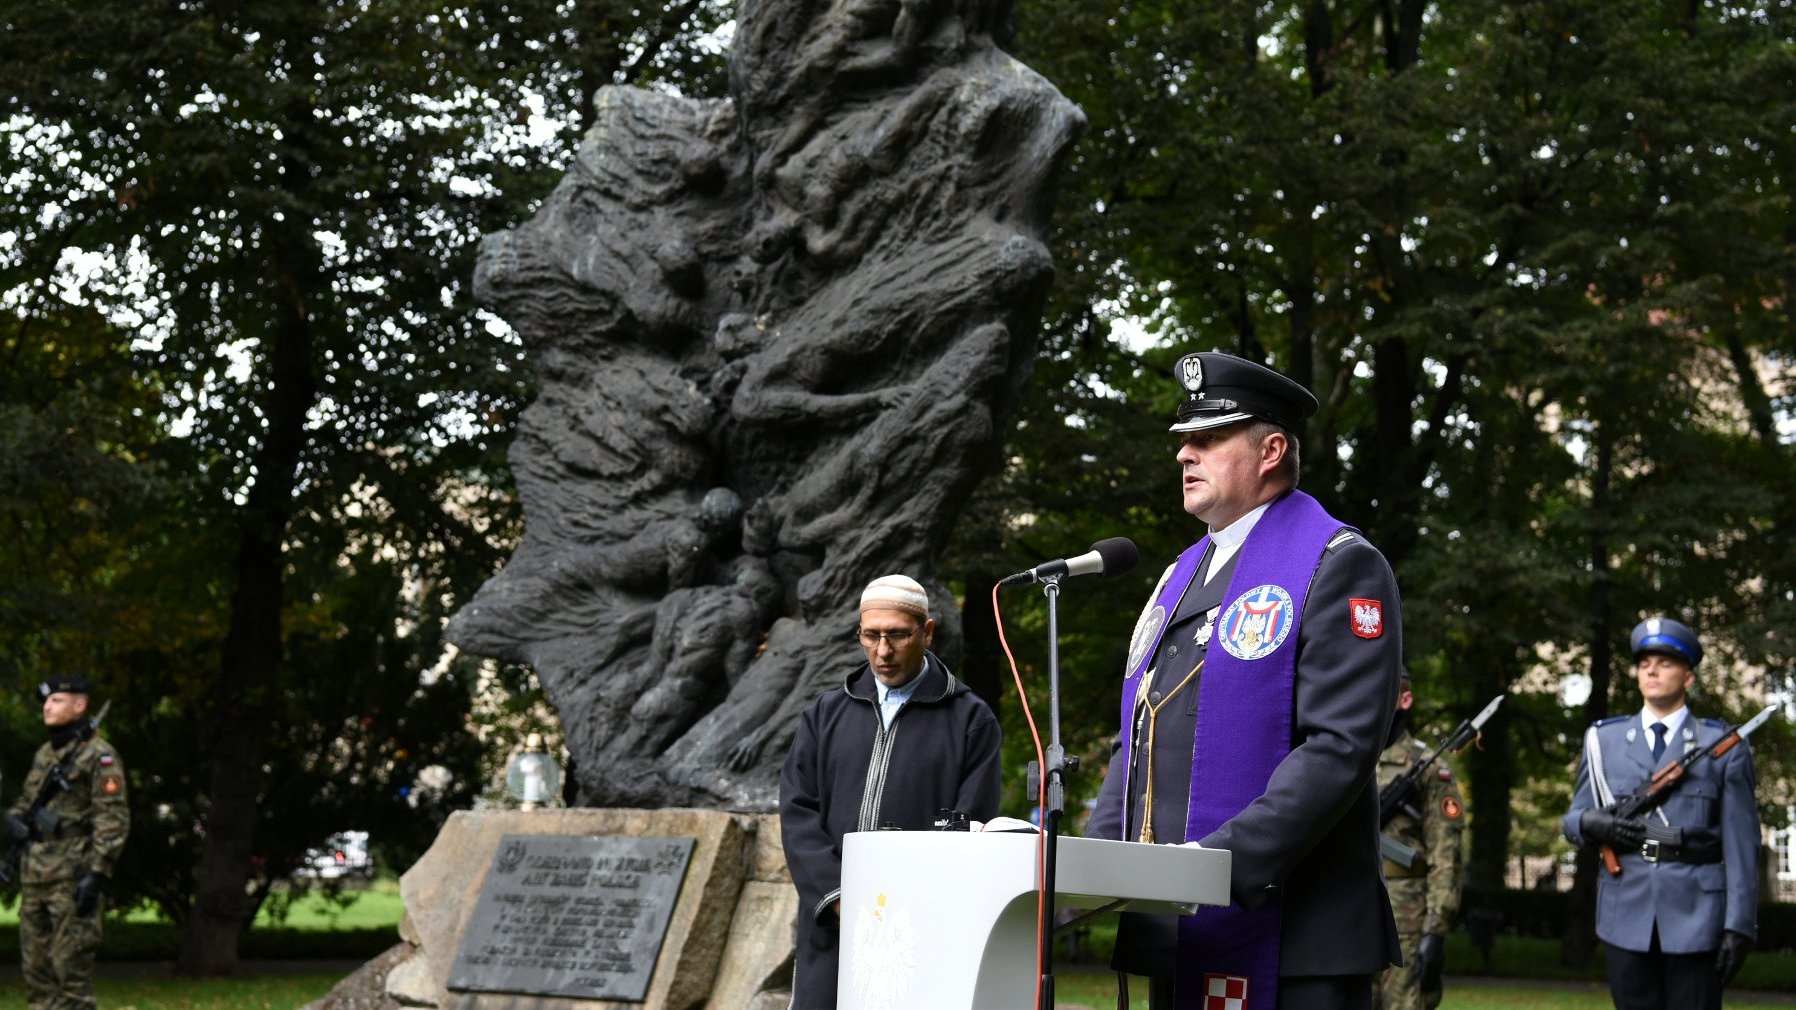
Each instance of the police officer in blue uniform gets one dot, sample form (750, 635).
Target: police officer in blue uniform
(1681, 915)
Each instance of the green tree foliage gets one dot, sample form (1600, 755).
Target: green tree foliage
(1533, 259)
(275, 208)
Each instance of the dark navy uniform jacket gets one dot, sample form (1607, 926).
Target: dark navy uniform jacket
(1688, 903)
(1312, 836)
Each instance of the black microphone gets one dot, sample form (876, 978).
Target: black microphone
(1115, 556)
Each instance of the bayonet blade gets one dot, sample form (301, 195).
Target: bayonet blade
(1479, 720)
(1756, 721)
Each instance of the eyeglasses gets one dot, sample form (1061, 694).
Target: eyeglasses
(871, 639)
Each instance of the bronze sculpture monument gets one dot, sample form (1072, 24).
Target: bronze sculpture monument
(777, 337)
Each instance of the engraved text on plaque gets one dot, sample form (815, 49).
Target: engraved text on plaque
(571, 915)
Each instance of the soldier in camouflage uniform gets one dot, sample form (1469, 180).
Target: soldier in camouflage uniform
(1425, 894)
(74, 841)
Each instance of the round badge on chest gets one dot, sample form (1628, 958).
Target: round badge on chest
(1256, 624)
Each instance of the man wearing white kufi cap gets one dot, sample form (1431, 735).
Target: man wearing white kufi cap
(901, 740)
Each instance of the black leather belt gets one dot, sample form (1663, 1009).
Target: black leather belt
(1656, 852)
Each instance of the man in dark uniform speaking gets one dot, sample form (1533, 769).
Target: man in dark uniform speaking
(1260, 686)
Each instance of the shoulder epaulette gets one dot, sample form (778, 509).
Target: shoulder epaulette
(1715, 723)
(1346, 535)
(1611, 720)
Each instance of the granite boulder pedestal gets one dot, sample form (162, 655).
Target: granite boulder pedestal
(728, 939)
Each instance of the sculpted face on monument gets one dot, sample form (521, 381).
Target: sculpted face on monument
(776, 338)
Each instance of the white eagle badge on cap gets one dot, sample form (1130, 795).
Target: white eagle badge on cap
(1191, 373)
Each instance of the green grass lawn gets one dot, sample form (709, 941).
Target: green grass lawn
(1082, 987)
(359, 925)
(1523, 959)
(282, 992)
(1085, 987)
(354, 924)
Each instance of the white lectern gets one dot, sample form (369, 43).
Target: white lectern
(946, 920)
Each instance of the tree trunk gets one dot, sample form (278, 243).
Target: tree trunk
(1394, 394)
(982, 664)
(1579, 941)
(252, 652)
(1490, 765)
(1752, 392)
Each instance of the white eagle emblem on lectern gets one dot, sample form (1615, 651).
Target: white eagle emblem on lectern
(884, 954)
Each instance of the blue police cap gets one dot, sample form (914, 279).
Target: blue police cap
(1222, 389)
(1662, 634)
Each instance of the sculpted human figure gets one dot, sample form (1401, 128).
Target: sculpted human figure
(704, 640)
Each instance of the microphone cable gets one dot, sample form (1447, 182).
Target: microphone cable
(1041, 799)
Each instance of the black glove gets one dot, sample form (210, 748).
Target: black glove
(1732, 955)
(1431, 957)
(16, 828)
(1621, 832)
(87, 893)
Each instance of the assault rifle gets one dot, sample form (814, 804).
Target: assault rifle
(38, 819)
(1403, 792)
(1654, 792)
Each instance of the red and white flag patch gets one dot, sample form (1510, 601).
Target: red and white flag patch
(1367, 617)
(1225, 992)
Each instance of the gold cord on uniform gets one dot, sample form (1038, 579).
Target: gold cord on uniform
(1147, 792)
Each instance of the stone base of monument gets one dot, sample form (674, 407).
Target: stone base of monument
(586, 909)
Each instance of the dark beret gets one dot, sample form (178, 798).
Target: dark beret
(67, 683)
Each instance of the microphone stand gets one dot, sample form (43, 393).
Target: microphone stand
(1055, 774)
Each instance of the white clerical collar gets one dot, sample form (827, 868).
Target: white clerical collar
(1673, 722)
(1226, 541)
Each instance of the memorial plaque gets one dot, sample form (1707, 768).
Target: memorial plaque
(572, 915)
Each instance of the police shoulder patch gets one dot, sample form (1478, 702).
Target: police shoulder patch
(1366, 617)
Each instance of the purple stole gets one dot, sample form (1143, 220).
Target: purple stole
(1244, 714)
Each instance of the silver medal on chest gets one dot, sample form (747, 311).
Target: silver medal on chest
(1202, 637)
